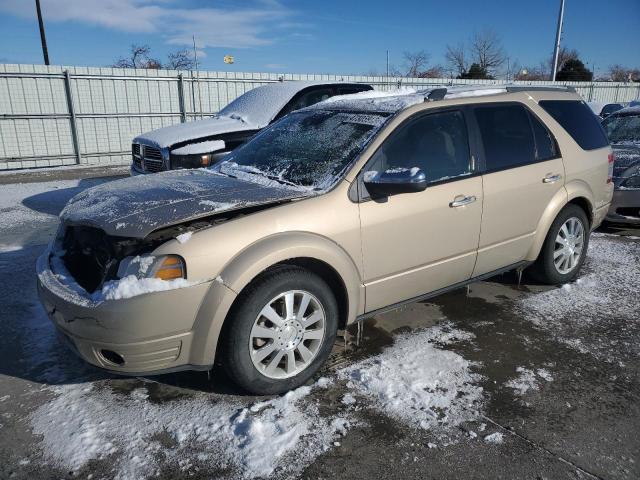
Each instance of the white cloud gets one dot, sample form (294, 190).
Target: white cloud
(213, 27)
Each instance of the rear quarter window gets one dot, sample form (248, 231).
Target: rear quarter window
(579, 122)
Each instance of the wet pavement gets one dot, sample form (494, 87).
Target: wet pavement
(558, 370)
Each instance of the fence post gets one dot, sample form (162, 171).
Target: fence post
(72, 116)
(617, 91)
(591, 91)
(183, 112)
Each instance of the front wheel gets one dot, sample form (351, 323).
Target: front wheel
(281, 331)
(565, 247)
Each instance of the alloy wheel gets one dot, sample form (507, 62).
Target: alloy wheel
(568, 246)
(287, 334)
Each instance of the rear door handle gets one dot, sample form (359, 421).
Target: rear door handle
(551, 178)
(461, 202)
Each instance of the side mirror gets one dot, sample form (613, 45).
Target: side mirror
(394, 181)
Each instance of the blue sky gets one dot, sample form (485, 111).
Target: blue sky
(327, 36)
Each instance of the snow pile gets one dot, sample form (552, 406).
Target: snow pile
(418, 383)
(131, 286)
(605, 296)
(496, 438)
(528, 380)
(200, 148)
(83, 424)
(126, 287)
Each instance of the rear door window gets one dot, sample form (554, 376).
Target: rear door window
(506, 136)
(579, 122)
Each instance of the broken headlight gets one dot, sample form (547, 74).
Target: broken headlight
(164, 267)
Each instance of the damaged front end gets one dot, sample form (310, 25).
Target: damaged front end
(93, 258)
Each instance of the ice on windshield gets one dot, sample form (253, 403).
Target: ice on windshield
(623, 128)
(307, 150)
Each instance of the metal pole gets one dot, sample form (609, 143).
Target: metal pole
(556, 51)
(43, 39)
(183, 113)
(195, 58)
(387, 66)
(72, 116)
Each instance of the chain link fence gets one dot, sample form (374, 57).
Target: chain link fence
(55, 115)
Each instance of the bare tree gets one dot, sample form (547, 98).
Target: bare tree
(415, 62)
(456, 58)
(180, 60)
(486, 50)
(619, 73)
(564, 54)
(138, 57)
(436, 71)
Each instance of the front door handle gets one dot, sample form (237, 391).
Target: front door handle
(551, 178)
(461, 202)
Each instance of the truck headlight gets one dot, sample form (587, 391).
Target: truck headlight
(164, 267)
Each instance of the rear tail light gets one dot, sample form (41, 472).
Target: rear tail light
(612, 159)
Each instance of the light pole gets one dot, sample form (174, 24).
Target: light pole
(43, 39)
(556, 50)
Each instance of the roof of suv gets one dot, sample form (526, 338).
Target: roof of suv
(394, 101)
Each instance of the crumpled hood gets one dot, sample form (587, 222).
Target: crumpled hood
(184, 132)
(136, 206)
(626, 156)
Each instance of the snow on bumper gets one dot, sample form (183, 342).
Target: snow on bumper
(151, 333)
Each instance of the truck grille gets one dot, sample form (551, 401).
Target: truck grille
(146, 158)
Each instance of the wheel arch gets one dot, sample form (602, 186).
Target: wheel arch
(317, 253)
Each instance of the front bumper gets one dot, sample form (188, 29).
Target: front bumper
(625, 207)
(151, 333)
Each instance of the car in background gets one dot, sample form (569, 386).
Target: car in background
(623, 130)
(604, 109)
(203, 142)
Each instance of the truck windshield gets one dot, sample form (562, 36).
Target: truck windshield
(310, 150)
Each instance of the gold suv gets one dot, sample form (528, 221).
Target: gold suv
(334, 213)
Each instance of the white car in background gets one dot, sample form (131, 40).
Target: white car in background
(203, 142)
(604, 109)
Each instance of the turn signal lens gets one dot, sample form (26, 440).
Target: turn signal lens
(205, 160)
(172, 267)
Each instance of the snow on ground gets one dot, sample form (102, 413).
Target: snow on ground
(85, 423)
(414, 381)
(528, 380)
(12, 209)
(604, 297)
(418, 383)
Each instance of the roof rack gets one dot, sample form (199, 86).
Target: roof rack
(540, 88)
(440, 93)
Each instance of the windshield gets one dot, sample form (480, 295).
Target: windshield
(623, 128)
(308, 150)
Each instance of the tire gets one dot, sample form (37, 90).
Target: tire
(545, 269)
(250, 334)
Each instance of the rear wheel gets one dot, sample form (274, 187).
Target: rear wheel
(565, 247)
(281, 332)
